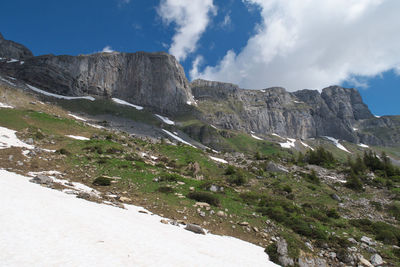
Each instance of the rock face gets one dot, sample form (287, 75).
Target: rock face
(335, 112)
(154, 80)
(158, 82)
(13, 50)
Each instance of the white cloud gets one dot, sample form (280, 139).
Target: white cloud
(194, 72)
(191, 20)
(227, 21)
(313, 44)
(107, 49)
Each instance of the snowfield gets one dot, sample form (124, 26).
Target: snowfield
(76, 117)
(44, 227)
(256, 137)
(289, 143)
(122, 102)
(59, 96)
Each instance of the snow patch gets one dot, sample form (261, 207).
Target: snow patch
(337, 144)
(274, 134)
(95, 126)
(122, 102)
(363, 145)
(256, 137)
(78, 137)
(165, 119)
(376, 116)
(306, 145)
(41, 226)
(290, 143)
(12, 60)
(7, 81)
(2, 105)
(178, 138)
(213, 127)
(218, 160)
(9, 139)
(355, 129)
(76, 117)
(59, 96)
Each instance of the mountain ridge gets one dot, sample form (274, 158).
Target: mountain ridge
(158, 82)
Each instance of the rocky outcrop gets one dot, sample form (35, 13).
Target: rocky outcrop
(13, 50)
(154, 80)
(337, 112)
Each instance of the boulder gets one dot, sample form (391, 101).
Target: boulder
(376, 260)
(274, 167)
(195, 229)
(42, 179)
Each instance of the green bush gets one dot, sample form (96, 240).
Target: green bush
(63, 151)
(333, 213)
(166, 189)
(102, 181)
(394, 209)
(272, 251)
(170, 177)
(238, 178)
(205, 197)
(353, 182)
(230, 170)
(313, 178)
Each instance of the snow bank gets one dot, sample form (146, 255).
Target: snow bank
(165, 119)
(256, 137)
(178, 138)
(306, 145)
(337, 144)
(289, 143)
(45, 227)
(363, 145)
(122, 102)
(2, 105)
(76, 117)
(9, 139)
(78, 137)
(12, 60)
(7, 81)
(274, 134)
(59, 96)
(218, 160)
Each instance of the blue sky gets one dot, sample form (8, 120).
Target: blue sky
(254, 43)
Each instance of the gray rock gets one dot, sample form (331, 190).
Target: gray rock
(153, 80)
(281, 246)
(195, 229)
(368, 241)
(216, 188)
(336, 197)
(10, 49)
(311, 262)
(41, 179)
(286, 261)
(274, 167)
(376, 260)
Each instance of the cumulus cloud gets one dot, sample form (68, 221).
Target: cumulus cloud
(191, 20)
(313, 44)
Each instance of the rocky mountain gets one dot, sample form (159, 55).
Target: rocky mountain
(336, 112)
(158, 82)
(13, 50)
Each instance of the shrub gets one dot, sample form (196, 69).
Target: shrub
(204, 197)
(63, 151)
(394, 209)
(170, 177)
(166, 189)
(238, 179)
(332, 213)
(230, 170)
(287, 188)
(272, 251)
(353, 182)
(102, 181)
(313, 178)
